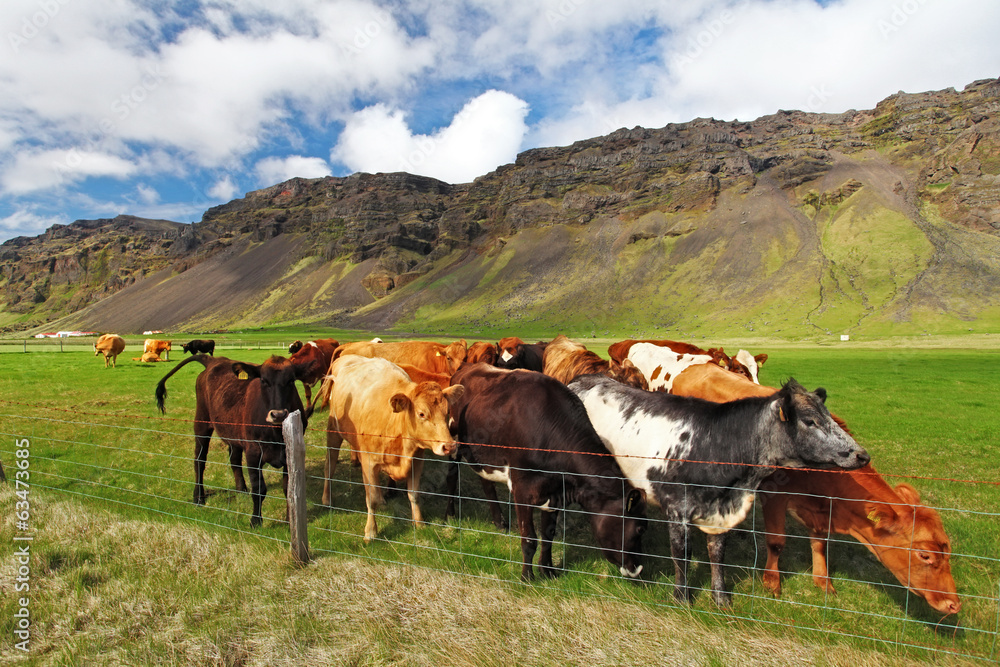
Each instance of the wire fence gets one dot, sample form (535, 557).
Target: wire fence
(142, 465)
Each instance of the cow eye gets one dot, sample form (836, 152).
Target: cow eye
(809, 422)
(422, 415)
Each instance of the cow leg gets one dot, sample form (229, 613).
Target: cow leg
(680, 551)
(413, 487)
(490, 491)
(775, 508)
(529, 543)
(549, 521)
(451, 487)
(258, 489)
(202, 436)
(821, 576)
(717, 558)
(373, 496)
(333, 442)
(308, 392)
(236, 463)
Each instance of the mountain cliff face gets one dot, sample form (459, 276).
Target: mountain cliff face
(879, 221)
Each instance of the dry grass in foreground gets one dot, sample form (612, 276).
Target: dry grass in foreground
(112, 590)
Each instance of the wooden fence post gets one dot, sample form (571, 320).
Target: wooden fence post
(295, 458)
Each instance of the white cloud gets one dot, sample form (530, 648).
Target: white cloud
(28, 223)
(147, 195)
(42, 170)
(274, 170)
(224, 189)
(485, 134)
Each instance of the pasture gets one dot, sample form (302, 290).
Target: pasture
(124, 565)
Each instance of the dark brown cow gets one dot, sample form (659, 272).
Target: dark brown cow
(513, 353)
(530, 431)
(245, 404)
(907, 537)
(199, 347)
(315, 356)
(566, 360)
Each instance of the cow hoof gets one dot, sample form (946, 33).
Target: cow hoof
(772, 584)
(256, 521)
(683, 594)
(724, 600)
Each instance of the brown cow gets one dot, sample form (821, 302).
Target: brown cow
(481, 352)
(565, 360)
(514, 353)
(389, 422)
(157, 347)
(908, 538)
(427, 356)
(245, 405)
(743, 362)
(316, 357)
(148, 357)
(111, 345)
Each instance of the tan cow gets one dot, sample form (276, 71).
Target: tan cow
(111, 345)
(148, 358)
(427, 356)
(389, 421)
(157, 347)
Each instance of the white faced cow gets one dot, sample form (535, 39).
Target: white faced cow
(702, 462)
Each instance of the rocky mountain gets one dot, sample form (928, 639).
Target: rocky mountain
(873, 222)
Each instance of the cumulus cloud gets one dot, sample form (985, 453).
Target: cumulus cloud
(27, 223)
(224, 189)
(485, 134)
(53, 168)
(275, 169)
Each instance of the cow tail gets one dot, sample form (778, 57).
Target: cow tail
(161, 386)
(325, 392)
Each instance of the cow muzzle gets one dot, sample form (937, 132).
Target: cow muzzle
(276, 416)
(445, 448)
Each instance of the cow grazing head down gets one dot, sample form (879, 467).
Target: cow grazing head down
(911, 542)
(426, 409)
(621, 542)
(277, 378)
(811, 437)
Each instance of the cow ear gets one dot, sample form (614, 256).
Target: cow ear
(821, 392)
(760, 359)
(400, 402)
(634, 502)
(454, 392)
(880, 515)
(909, 495)
(245, 371)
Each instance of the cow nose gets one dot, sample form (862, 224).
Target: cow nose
(276, 416)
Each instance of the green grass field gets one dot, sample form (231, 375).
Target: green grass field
(126, 569)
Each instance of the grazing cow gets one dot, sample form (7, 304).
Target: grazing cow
(110, 345)
(316, 356)
(157, 347)
(430, 357)
(702, 462)
(245, 404)
(515, 353)
(199, 347)
(389, 422)
(482, 352)
(908, 538)
(565, 360)
(530, 431)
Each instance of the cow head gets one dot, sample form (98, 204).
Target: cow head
(747, 365)
(619, 528)
(807, 435)
(277, 378)
(482, 352)
(426, 410)
(295, 347)
(508, 349)
(910, 540)
(627, 373)
(455, 354)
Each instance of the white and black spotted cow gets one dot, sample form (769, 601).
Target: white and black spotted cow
(701, 462)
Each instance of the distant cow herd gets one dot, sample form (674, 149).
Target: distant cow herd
(662, 424)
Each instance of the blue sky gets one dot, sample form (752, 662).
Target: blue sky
(165, 109)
